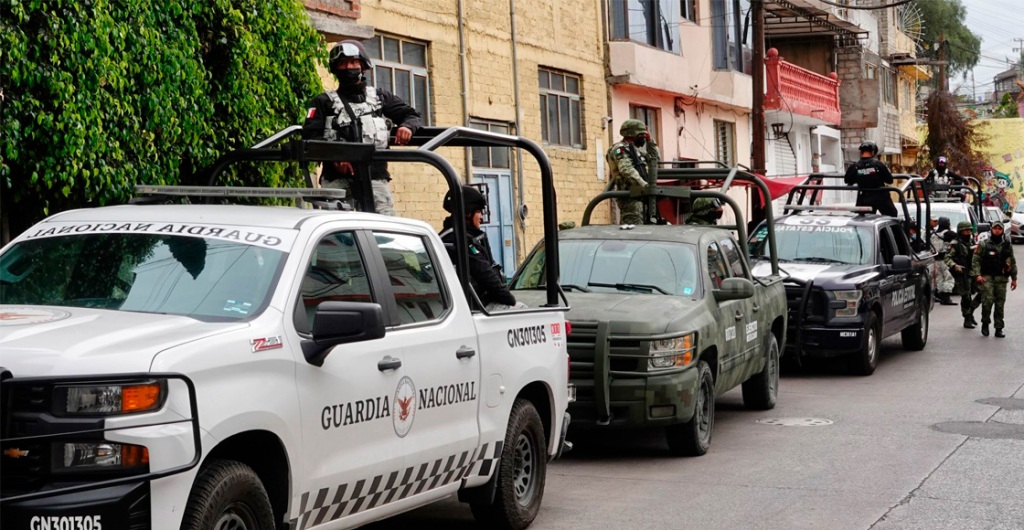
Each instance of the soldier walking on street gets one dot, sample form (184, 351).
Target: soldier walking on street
(870, 174)
(958, 259)
(358, 112)
(993, 267)
(941, 239)
(629, 162)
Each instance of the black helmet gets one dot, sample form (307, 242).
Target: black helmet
(471, 198)
(349, 49)
(870, 147)
(943, 223)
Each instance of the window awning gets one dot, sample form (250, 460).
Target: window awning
(801, 18)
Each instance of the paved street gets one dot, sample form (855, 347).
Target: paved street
(891, 459)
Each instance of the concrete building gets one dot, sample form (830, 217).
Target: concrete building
(1005, 83)
(454, 61)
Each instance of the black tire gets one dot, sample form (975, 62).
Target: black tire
(761, 391)
(865, 361)
(693, 438)
(915, 337)
(228, 495)
(521, 472)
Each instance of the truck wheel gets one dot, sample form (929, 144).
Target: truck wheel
(521, 472)
(228, 495)
(916, 337)
(761, 391)
(693, 438)
(864, 362)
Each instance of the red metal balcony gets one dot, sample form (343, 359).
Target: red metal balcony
(800, 91)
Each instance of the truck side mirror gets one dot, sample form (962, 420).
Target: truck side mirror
(342, 323)
(984, 227)
(734, 289)
(900, 264)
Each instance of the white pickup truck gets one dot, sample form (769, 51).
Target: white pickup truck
(222, 366)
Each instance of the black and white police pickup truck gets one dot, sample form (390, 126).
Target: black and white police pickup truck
(254, 367)
(854, 279)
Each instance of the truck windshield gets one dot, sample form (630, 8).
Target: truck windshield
(614, 266)
(207, 279)
(850, 245)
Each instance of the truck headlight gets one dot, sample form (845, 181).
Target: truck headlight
(671, 353)
(108, 400)
(98, 456)
(852, 299)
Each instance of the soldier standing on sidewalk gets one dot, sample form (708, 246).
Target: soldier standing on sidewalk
(958, 259)
(993, 267)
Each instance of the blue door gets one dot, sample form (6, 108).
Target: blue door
(499, 227)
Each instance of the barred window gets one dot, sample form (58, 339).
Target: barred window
(725, 142)
(561, 119)
(400, 67)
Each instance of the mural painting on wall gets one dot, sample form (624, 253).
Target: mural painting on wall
(1004, 178)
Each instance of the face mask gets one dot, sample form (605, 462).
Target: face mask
(640, 142)
(350, 76)
(996, 238)
(966, 237)
(716, 215)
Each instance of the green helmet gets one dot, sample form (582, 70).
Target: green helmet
(964, 225)
(631, 128)
(703, 206)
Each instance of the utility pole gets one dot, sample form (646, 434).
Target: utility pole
(757, 122)
(943, 82)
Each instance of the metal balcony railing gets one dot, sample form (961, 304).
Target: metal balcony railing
(801, 91)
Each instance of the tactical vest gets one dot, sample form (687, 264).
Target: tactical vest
(993, 259)
(373, 127)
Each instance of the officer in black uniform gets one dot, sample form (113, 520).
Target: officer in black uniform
(870, 174)
(485, 275)
(357, 112)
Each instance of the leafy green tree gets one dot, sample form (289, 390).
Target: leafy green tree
(946, 18)
(100, 95)
(1007, 107)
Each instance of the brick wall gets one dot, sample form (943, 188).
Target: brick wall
(560, 35)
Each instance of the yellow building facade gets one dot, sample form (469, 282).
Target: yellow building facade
(453, 60)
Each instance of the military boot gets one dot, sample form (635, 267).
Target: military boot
(999, 333)
(969, 323)
(975, 322)
(984, 329)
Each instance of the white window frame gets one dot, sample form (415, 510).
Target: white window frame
(575, 101)
(725, 142)
(414, 70)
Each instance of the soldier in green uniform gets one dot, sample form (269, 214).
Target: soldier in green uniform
(629, 162)
(705, 212)
(993, 267)
(958, 258)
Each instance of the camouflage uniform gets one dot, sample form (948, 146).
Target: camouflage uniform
(704, 210)
(629, 165)
(941, 240)
(958, 258)
(383, 202)
(995, 263)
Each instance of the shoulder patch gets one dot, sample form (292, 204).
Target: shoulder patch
(311, 113)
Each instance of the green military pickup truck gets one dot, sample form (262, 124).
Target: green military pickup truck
(664, 318)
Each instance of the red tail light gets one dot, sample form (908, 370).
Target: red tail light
(568, 328)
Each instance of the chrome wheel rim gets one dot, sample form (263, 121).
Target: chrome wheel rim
(872, 347)
(773, 372)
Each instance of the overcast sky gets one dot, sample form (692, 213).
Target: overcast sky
(998, 22)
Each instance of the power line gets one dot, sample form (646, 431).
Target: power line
(868, 8)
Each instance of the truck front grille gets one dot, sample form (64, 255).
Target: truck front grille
(582, 345)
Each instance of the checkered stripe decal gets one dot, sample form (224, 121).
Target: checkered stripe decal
(331, 503)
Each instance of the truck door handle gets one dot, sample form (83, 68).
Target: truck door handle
(389, 363)
(739, 316)
(464, 353)
(757, 308)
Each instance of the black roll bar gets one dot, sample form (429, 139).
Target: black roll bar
(427, 139)
(727, 175)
